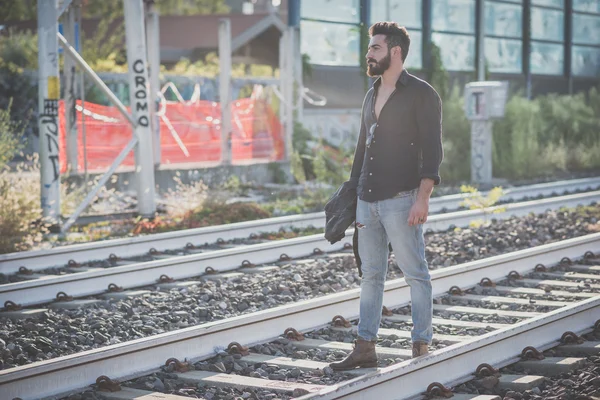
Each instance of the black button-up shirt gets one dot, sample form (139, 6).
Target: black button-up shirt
(406, 144)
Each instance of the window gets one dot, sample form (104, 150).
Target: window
(453, 16)
(547, 38)
(405, 12)
(549, 3)
(453, 23)
(591, 6)
(414, 59)
(330, 44)
(585, 56)
(586, 29)
(504, 55)
(458, 51)
(503, 19)
(547, 24)
(547, 58)
(585, 61)
(331, 10)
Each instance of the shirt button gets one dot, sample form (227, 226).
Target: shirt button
(369, 190)
(371, 158)
(370, 173)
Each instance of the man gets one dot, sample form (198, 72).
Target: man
(396, 162)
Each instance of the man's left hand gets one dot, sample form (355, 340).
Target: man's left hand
(418, 213)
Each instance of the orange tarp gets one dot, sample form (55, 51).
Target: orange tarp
(256, 134)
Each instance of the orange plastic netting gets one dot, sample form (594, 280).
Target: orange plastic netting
(257, 134)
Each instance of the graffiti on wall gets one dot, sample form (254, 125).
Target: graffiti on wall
(49, 131)
(338, 127)
(141, 94)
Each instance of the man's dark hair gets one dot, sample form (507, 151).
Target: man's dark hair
(395, 35)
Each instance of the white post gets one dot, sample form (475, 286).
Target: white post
(48, 95)
(70, 97)
(225, 88)
(153, 40)
(139, 99)
(289, 90)
(481, 151)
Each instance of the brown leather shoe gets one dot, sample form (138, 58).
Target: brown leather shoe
(363, 356)
(419, 349)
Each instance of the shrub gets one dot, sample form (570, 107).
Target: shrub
(21, 226)
(545, 135)
(456, 140)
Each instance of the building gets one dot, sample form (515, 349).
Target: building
(538, 45)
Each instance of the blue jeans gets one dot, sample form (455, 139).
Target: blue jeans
(381, 222)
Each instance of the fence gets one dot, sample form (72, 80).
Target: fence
(190, 133)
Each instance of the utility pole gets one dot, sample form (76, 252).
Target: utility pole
(153, 41)
(48, 96)
(70, 96)
(140, 102)
(225, 88)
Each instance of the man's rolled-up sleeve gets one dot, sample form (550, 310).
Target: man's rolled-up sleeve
(429, 122)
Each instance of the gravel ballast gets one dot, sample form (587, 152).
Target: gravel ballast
(62, 332)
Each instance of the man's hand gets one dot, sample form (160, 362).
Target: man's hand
(418, 212)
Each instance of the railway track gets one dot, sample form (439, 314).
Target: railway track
(538, 305)
(119, 274)
(193, 239)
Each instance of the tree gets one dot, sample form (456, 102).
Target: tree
(26, 10)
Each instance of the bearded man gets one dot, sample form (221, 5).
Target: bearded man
(396, 164)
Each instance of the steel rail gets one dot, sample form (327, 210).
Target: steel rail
(40, 259)
(62, 375)
(37, 291)
(458, 361)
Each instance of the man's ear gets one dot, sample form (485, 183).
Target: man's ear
(397, 51)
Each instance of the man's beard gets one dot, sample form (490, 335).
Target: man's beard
(380, 66)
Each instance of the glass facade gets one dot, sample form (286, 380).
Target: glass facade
(504, 55)
(453, 16)
(407, 13)
(453, 23)
(585, 57)
(503, 44)
(330, 33)
(330, 44)
(331, 10)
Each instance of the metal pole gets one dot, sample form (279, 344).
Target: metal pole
(69, 50)
(282, 80)
(527, 45)
(289, 91)
(569, 44)
(70, 98)
(138, 99)
(480, 24)
(225, 88)
(153, 40)
(298, 76)
(48, 96)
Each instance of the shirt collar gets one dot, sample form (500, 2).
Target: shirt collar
(402, 80)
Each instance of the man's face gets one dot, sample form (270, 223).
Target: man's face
(378, 57)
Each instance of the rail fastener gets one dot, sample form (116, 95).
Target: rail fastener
(571, 337)
(530, 353)
(178, 366)
(236, 348)
(340, 322)
(293, 334)
(485, 369)
(105, 384)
